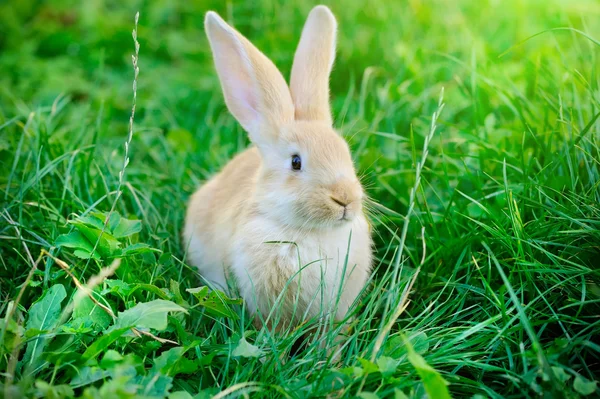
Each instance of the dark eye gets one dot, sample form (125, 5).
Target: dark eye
(296, 162)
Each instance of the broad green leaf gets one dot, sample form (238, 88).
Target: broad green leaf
(119, 287)
(584, 386)
(110, 358)
(560, 374)
(82, 247)
(138, 248)
(95, 220)
(161, 292)
(84, 254)
(355, 372)
(387, 365)
(12, 333)
(246, 349)
(368, 395)
(207, 393)
(44, 315)
(368, 366)
(88, 375)
(180, 395)
(200, 292)
(100, 345)
(113, 220)
(151, 314)
(398, 394)
(61, 356)
(217, 304)
(53, 391)
(153, 385)
(80, 325)
(174, 287)
(87, 308)
(172, 362)
(33, 332)
(435, 385)
(107, 244)
(127, 227)
(73, 240)
(120, 387)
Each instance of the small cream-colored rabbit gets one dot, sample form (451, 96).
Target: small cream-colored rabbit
(284, 218)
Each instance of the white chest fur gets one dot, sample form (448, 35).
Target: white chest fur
(300, 275)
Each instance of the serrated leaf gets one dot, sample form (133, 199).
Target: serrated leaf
(584, 386)
(127, 227)
(146, 315)
(246, 349)
(44, 315)
(435, 385)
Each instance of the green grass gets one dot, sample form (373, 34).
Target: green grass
(503, 238)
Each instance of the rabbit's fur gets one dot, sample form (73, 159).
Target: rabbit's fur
(280, 232)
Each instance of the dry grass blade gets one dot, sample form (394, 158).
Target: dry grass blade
(86, 290)
(14, 356)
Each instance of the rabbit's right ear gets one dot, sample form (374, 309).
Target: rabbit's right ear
(255, 91)
(309, 82)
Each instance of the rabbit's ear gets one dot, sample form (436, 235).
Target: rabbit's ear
(255, 91)
(309, 83)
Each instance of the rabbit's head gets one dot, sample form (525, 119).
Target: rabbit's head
(307, 178)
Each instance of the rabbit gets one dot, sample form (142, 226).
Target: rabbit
(284, 219)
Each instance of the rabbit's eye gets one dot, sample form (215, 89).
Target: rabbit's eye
(296, 162)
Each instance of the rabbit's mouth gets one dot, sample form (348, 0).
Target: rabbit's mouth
(344, 210)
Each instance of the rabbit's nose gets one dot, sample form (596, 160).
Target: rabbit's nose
(344, 192)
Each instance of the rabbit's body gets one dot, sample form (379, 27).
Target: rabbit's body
(283, 219)
(299, 269)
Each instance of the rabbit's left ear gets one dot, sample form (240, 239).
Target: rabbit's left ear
(309, 82)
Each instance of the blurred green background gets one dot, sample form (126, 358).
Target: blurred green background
(393, 59)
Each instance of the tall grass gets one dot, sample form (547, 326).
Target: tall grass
(487, 232)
